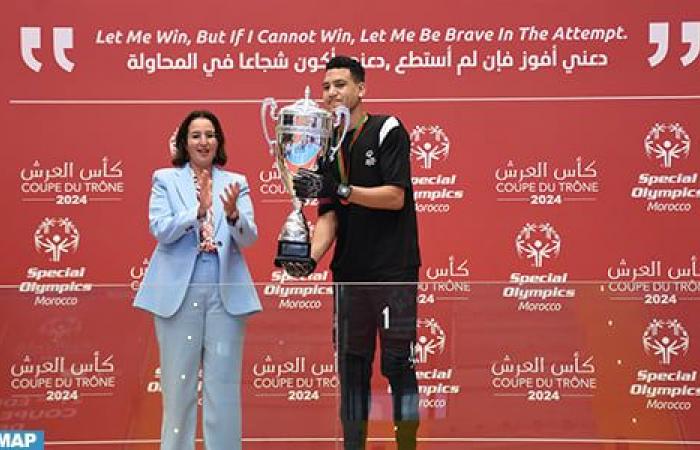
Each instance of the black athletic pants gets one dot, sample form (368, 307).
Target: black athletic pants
(362, 311)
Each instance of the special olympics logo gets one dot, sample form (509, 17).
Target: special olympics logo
(667, 141)
(665, 338)
(431, 340)
(428, 144)
(56, 237)
(538, 242)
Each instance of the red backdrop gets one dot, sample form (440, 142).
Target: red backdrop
(556, 177)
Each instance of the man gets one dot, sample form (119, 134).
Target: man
(367, 208)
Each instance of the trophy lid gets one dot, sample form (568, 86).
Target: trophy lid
(305, 107)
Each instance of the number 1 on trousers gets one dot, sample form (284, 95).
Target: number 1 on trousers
(385, 313)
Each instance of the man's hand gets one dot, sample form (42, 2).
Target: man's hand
(300, 269)
(315, 184)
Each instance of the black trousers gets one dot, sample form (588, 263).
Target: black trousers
(362, 311)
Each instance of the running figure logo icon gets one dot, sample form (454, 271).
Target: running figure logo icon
(667, 141)
(56, 236)
(428, 144)
(538, 242)
(431, 340)
(665, 338)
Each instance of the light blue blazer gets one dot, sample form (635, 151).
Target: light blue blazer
(173, 222)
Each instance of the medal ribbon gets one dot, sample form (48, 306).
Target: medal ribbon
(344, 160)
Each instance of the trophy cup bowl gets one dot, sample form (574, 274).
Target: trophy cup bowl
(303, 134)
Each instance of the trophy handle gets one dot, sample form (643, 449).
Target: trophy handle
(341, 117)
(270, 103)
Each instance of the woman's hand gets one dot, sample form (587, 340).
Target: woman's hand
(205, 186)
(228, 198)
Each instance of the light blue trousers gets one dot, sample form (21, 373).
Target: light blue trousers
(201, 333)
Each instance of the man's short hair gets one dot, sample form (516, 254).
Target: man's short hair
(345, 62)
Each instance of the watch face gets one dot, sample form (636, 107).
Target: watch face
(343, 191)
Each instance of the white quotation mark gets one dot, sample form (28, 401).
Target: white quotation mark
(691, 36)
(30, 39)
(659, 35)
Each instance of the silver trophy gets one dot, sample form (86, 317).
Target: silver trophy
(303, 134)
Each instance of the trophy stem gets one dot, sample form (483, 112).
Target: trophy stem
(294, 242)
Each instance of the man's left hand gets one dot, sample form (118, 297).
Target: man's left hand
(310, 184)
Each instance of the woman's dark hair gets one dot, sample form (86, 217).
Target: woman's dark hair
(181, 157)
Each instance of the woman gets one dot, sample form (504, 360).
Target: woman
(198, 286)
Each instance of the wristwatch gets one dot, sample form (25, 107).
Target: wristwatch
(344, 191)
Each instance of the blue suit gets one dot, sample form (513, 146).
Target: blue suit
(200, 302)
(173, 222)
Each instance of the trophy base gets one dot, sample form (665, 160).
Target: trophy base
(290, 251)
